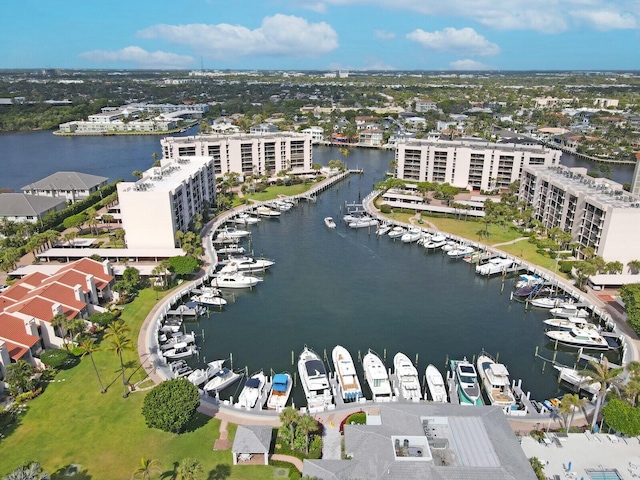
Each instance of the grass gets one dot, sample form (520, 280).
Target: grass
(73, 423)
(275, 191)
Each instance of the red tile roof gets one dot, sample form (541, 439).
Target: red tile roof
(16, 352)
(58, 293)
(14, 330)
(88, 266)
(40, 308)
(33, 279)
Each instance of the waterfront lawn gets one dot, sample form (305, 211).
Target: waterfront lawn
(469, 229)
(275, 191)
(73, 423)
(529, 253)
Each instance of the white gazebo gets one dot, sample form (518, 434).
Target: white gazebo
(251, 440)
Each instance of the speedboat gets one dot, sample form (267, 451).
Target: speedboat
(264, 211)
(383, 229)
(407, 376)
(252, 391)
(435, 384)
(466, 379)
(569, 310)
(494, 265)
(396, 232)
(202, 375)
(179, 350)
(353, 216)
(210, 296)
(568, 323)
(246, 219)
(280, 391)
(281, 205)
(315, 382)
(249, 264)
(436, 241)
(588, 339)
(232, 233)
(376, 375)
(230, 277)
(364, 222)
(547, 302)
(348, 381)
(231, 249)
(328, 221)
(495, 380)
(179, 337)
(411, 235)
(221, 380)
(180, 368)
(460, 251)
(528, 279)
(578, 380)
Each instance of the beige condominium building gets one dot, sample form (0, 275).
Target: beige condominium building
(471, 164)
(246, 154)
(165, 200)
(596, 211)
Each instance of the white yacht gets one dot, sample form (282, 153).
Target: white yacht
(589, 339)
(396, 232)
(383, 229)
(246, 263)
(246, 219)
(230, 277)
(230, 233)
(280, 391)
(202, 375)
(376, 375)
(548, 302)
(167, 343)
(315, 382)
(252, 391)
(407, 376)
(179, 350)
(460, 251)
(436, 241)
(210, 296)
(231, 249)
(465, 377)
(264, 211)
(328, 221)
(570, 310)
(578, 380)
(412, 235)
(495, 381)
(363, 222)
(494, 266)
(348, 381)
(221, 380)
(435, 384)
(569, 323)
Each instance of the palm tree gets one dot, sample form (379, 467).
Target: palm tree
(190, 469)
(32, 471)
(576, 403)
(289, 416)
(107, 218)
(634, 266)
(600, 372)
(146, 468)
(89, 347)
(19, 374)
(306, 425)
(61, 322)
(120, 235)
(119, 342)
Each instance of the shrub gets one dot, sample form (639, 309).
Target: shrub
(23, 397)
(565, 266)
(54, 358)
(171, 405)
(384, 208)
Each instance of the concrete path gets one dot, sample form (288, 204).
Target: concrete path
(331, 441)
(296, 462)
(511, 242)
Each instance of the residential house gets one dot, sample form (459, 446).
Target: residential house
(72, 186)
(19, 207)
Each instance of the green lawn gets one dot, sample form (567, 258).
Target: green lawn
(73, 423)
(275, 191)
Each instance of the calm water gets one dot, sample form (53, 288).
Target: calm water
(328, 287)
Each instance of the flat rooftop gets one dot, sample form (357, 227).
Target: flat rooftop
(168, 177)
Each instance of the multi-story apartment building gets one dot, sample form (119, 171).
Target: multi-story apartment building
(470, 164)
(596, 211)
(165, 200)
(246, 154)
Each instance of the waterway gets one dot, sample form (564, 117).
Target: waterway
(331, 287)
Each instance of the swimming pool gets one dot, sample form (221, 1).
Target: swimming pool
(603, 474)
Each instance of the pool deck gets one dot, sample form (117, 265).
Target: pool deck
(586, 451)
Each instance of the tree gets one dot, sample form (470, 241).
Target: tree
(183, 266)
(190, 469)
(108, 219)
(146, 468)
(634, 266)
(584, 270)
(61, 323)
(89, 347)
(600, 372)
(118, 343)
(622, 417)
(576, 403)
(19, 374)
(171, 405)
(137, 174)
(102, 318)
(289, 416)
(119, 234)
(614, 267)
(55, 358)
(538, 468)
(74, 221)
(30, 471)
(307, 425)
(131, 275)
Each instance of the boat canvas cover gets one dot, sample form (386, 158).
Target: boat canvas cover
(280, 381)
(222, 373)
(498, 369)
(315, 368)
(253, 383)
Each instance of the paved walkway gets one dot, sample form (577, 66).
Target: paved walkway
(331, 441)
(296, 462)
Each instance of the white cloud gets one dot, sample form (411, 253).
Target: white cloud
(465, 41)
(605, 20)
(468, 64)
(139, 58)
(279, 35)
(373, 63)
(384, 35)
(318, 7)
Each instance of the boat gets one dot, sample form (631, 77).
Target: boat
(249, 264)
(353, 216)
(435, 385)
(569, 323)
(495, 380)
(281, 205)
(221, 380)
(436, 241)
(201, 375)
(231, 249)
(466, 380)
(548, 302)
(180, 337)
(527, 279)
(363, 222)
(328, 221)
(246, 219)
(180, 369)
(315, 382)
(230, 277)
(412, 235)
(586, 338)
(460, 251)
(578, 380)
(232, 233)
(396, 232)
(280, 391)
(569, 310)
(383, 229)
(179, 350)
(264, 211)
(407, 376)
(252, 391)
(494, 266)
(210, 296)
(376, 375)
(348, 381)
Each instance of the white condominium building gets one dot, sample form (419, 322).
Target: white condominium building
(470, 164)
(246, 154)
(165, 200)
(596, 211)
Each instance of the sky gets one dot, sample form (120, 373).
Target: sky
(322, 34)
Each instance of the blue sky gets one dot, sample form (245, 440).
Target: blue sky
(322, 34)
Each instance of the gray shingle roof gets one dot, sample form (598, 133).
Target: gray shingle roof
(252, 439)
(67, 181)
(21, 205)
